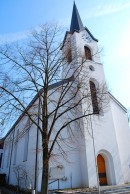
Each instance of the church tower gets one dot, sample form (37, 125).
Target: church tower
(82, 57)
(101, 135)
(80, 46)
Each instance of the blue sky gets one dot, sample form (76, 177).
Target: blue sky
(108, 21)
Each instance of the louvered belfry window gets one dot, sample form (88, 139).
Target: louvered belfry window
(94, 97)
(88, 54)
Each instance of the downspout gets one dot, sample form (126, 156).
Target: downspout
(35, 181)
(11, 156)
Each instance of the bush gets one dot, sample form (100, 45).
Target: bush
(17, 190)
(2, 179)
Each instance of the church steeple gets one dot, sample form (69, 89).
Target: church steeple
(76, 22)
(77, 26)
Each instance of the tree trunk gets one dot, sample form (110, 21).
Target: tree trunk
(44, 185)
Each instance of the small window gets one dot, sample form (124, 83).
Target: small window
(91, 68)
(26, 141)
(9, 154)
(94, 97)
(16, 147)
(15, 153)
(1, 159)
(87, 53)
(1, 146)
(69, 55)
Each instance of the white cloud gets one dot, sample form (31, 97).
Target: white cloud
(108, 8)
(12, 37)
(17, 36)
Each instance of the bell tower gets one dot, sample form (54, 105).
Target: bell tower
(82, 60)
(80, 43)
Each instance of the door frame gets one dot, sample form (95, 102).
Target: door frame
(110, 171)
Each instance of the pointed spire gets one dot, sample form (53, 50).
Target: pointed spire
(76, 22)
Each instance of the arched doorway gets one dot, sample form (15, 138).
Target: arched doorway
(101, 170)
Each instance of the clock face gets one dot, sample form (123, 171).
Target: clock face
(86, 38)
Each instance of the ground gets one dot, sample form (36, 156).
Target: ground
(121, 189)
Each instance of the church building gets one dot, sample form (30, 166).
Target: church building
(102, 154)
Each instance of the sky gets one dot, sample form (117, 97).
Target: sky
(108, 21)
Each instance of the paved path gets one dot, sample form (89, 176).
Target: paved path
(121, 189)
(117, 190)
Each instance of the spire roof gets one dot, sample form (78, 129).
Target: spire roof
(77, 25)
(76, 22)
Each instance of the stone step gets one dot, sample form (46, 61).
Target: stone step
(123, 192)
(119, 191)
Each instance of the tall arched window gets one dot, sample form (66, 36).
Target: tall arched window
(69, 55)
(94, 97)
(88, 54)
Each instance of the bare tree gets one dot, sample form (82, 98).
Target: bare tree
(57, 83)
(22, 177)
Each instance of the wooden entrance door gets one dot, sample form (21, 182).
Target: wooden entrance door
(101, 170)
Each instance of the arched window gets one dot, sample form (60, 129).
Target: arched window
(69, 55)
(88, 53)
(94, 97)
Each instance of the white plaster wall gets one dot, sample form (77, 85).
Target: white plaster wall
(29, 165)
(123, 138)
(70, 160)
(71, 164)
(80, 169)
(72, 171)
(104, 141)
(6, 152)
(68, 69)
(103, 126)
(80, 42)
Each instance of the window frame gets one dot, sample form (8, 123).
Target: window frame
(26, 143)
(93, 90)
(16, 148)
(69, 55)
(88, 53)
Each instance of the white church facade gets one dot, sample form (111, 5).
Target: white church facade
(103, 151)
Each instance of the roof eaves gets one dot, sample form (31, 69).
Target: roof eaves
(67, 32)
(115, 100)
(91, 34)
